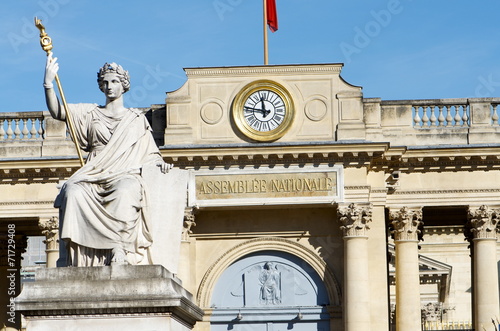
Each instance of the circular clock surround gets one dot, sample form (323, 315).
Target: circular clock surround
(263, 110)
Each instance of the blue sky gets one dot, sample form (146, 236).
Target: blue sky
(394, 49)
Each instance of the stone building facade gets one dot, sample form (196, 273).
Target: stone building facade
(342, 213)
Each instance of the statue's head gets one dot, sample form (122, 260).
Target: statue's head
(116, 69)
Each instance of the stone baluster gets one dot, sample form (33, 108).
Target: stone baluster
(50, 229)
(425, 117)
(41, 131)
(406, 223)
(441, 116)
(483, 223)
(449, 118)
(2, 130)
(354, 219)
(416, 119)
(17, 130)
(457, 117)
(433, 116)
(465, 118)
(33, 130)
(10, 132)
(25, 130)
(494, 115)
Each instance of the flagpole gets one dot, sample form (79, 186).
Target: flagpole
(266, 56)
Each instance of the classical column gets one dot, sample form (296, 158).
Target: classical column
(406, 236)
(483, 225)
(354, 219)
(50, 229)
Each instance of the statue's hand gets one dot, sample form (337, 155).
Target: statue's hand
(164, 167)
(51, 68)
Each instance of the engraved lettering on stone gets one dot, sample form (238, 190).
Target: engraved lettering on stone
(266, 185)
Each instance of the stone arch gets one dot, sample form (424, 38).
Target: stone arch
(213, 273)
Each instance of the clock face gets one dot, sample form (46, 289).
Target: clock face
(263, 110)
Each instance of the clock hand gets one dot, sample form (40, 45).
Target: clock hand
(265, 112)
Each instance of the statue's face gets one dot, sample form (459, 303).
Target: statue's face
(112, 86)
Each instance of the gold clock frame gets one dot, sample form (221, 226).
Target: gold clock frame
(239, 117)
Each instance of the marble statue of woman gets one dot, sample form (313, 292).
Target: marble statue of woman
(103, 206)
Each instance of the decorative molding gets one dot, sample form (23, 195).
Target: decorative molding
(213, 273)
(98, 313)
(259, 70)
(406, 223)
(212, 112)
(357, 188)
(355, 219)
(272, 158)
(316, 108)
(30, 175)
(22, 203)
(454, 191)
(483, 222)
(189, 222)
(50, 229)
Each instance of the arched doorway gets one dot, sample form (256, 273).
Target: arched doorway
(270, 291)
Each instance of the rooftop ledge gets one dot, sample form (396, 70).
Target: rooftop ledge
(414, 124)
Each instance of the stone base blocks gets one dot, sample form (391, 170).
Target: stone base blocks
(111, 298)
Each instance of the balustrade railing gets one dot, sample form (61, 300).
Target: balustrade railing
(455, 326)
(22, 126)
(441, 114)
(458, 120)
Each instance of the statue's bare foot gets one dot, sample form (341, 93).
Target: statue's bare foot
(119, 256)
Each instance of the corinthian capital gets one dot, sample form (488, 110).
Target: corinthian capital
(189, 221)
(483, 222)
(355, 219)
(406, 223)
(50, 229)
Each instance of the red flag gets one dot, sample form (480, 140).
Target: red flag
(272, 15)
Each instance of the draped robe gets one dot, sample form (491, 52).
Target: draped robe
(104, 204)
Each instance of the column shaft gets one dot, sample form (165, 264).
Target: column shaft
(406, 223)
(357, 286)
(486, 283)
(484, 230)
(355, 221)
(50, 228)
(408, 315)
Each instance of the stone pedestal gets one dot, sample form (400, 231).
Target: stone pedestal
(111, 298)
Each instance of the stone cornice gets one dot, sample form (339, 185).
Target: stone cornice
(40, 170)
(225, 72)
(376, 156)
(274, 154)
(450, 191)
